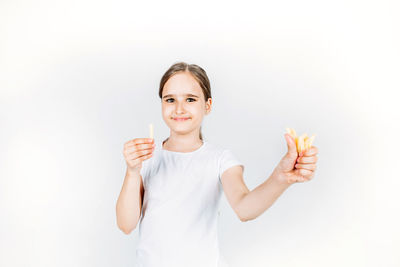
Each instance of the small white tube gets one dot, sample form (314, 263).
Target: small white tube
(151, 131)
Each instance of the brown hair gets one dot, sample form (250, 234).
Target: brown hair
(196, 71)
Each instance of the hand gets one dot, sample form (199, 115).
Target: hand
(296, 168)
(136, 151)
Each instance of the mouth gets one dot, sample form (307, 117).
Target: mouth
(181, 119)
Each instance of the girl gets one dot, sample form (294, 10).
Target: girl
(180, 180)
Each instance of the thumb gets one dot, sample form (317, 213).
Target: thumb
(292, 150)
(288, 161)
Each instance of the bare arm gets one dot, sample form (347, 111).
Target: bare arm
(254, 203)
(129, 204)
(293, 168)
(247, 204)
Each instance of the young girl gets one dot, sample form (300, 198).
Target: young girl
(180, 180)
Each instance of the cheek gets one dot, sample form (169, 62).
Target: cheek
(196, 108)
(166, 110)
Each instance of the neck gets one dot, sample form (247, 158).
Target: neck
(182, 145)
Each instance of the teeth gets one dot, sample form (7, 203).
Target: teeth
(303, 142)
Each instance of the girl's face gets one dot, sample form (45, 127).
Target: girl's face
(183, 104)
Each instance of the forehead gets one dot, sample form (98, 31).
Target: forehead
(182, 83)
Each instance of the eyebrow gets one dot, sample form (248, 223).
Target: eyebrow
(169, 95)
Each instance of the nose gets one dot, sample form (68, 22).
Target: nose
(179, 108)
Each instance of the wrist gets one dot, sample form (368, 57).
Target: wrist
(132, 172)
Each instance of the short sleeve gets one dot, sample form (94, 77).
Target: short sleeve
(227, 160)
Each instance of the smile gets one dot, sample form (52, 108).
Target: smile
(181, 119)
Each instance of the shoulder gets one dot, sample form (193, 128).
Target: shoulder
(214, 148)
(223, 154)
(226, 159)
(220, 150)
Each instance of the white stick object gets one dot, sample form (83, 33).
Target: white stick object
(151, 130)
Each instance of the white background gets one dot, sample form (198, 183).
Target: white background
(80, 78)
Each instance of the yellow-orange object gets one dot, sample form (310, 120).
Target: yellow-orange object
(303, 142)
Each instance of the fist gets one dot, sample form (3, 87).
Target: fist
(136, 151)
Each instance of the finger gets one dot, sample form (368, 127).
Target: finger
(141, 158)
(311, 167)
(137, 154)
(140, 146)
(133, 151)
(294, 179)
(312, 159)
(307, 174)
(139, 141)
(298, 179)
(311, 151)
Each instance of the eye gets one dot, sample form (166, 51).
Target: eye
(187, 98)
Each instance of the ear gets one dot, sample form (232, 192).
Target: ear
(208, 105)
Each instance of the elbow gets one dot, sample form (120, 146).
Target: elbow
(127, 231)
(242, 211)
(126, 225)
(246, 219)
(243, 218)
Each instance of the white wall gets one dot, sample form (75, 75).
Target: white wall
(80, 78)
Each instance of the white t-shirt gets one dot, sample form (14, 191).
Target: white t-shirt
(178, 224)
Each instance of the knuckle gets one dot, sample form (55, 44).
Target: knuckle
(129, 142)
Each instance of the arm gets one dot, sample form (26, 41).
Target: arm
(261, 198)
(129, 203)
(291, 169)
(247, 204)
